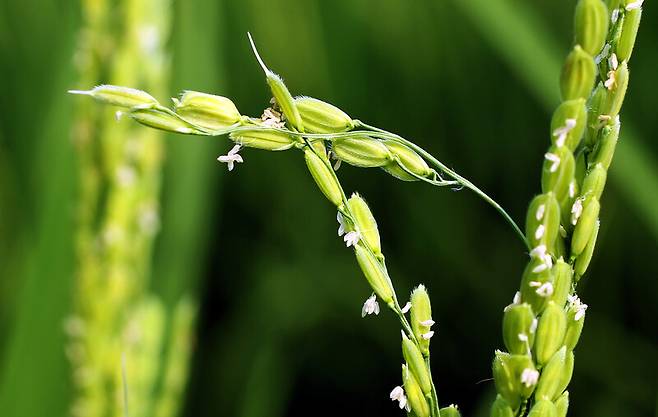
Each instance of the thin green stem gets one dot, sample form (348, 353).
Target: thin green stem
(437, 183)
(443, 168)
(380, 133)
(405, 323)
(435, 396)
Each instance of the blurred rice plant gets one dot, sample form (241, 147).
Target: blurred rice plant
(116, 320)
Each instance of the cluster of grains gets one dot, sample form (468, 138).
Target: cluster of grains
(115, 320)
(322, 132)
(542, 326)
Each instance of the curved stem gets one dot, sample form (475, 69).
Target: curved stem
(434, 182)
(442, 167)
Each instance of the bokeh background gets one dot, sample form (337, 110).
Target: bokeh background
(278, 330)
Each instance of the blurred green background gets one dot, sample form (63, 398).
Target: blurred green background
(279, 331)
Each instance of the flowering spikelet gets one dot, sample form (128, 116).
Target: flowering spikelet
(321, 117)
(207, 110)
(421, 318)
(119, 96)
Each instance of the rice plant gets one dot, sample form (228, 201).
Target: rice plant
(542, 325)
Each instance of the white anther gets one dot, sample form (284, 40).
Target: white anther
(428, 335)
(529, 377)
(540, 268)
(538, 252)
(610, 82)
(232, 157)
(572, 189)
(545, 290)
(540, 212)
(613, 62)
(634, 5)
(578, 306)
(515, 301)
(576, 211)
(546, 260)
(342, 226)
(371, 306)
(562, 132)
(352, 238)
(540, 231)
(398, 395)
(551, 157)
